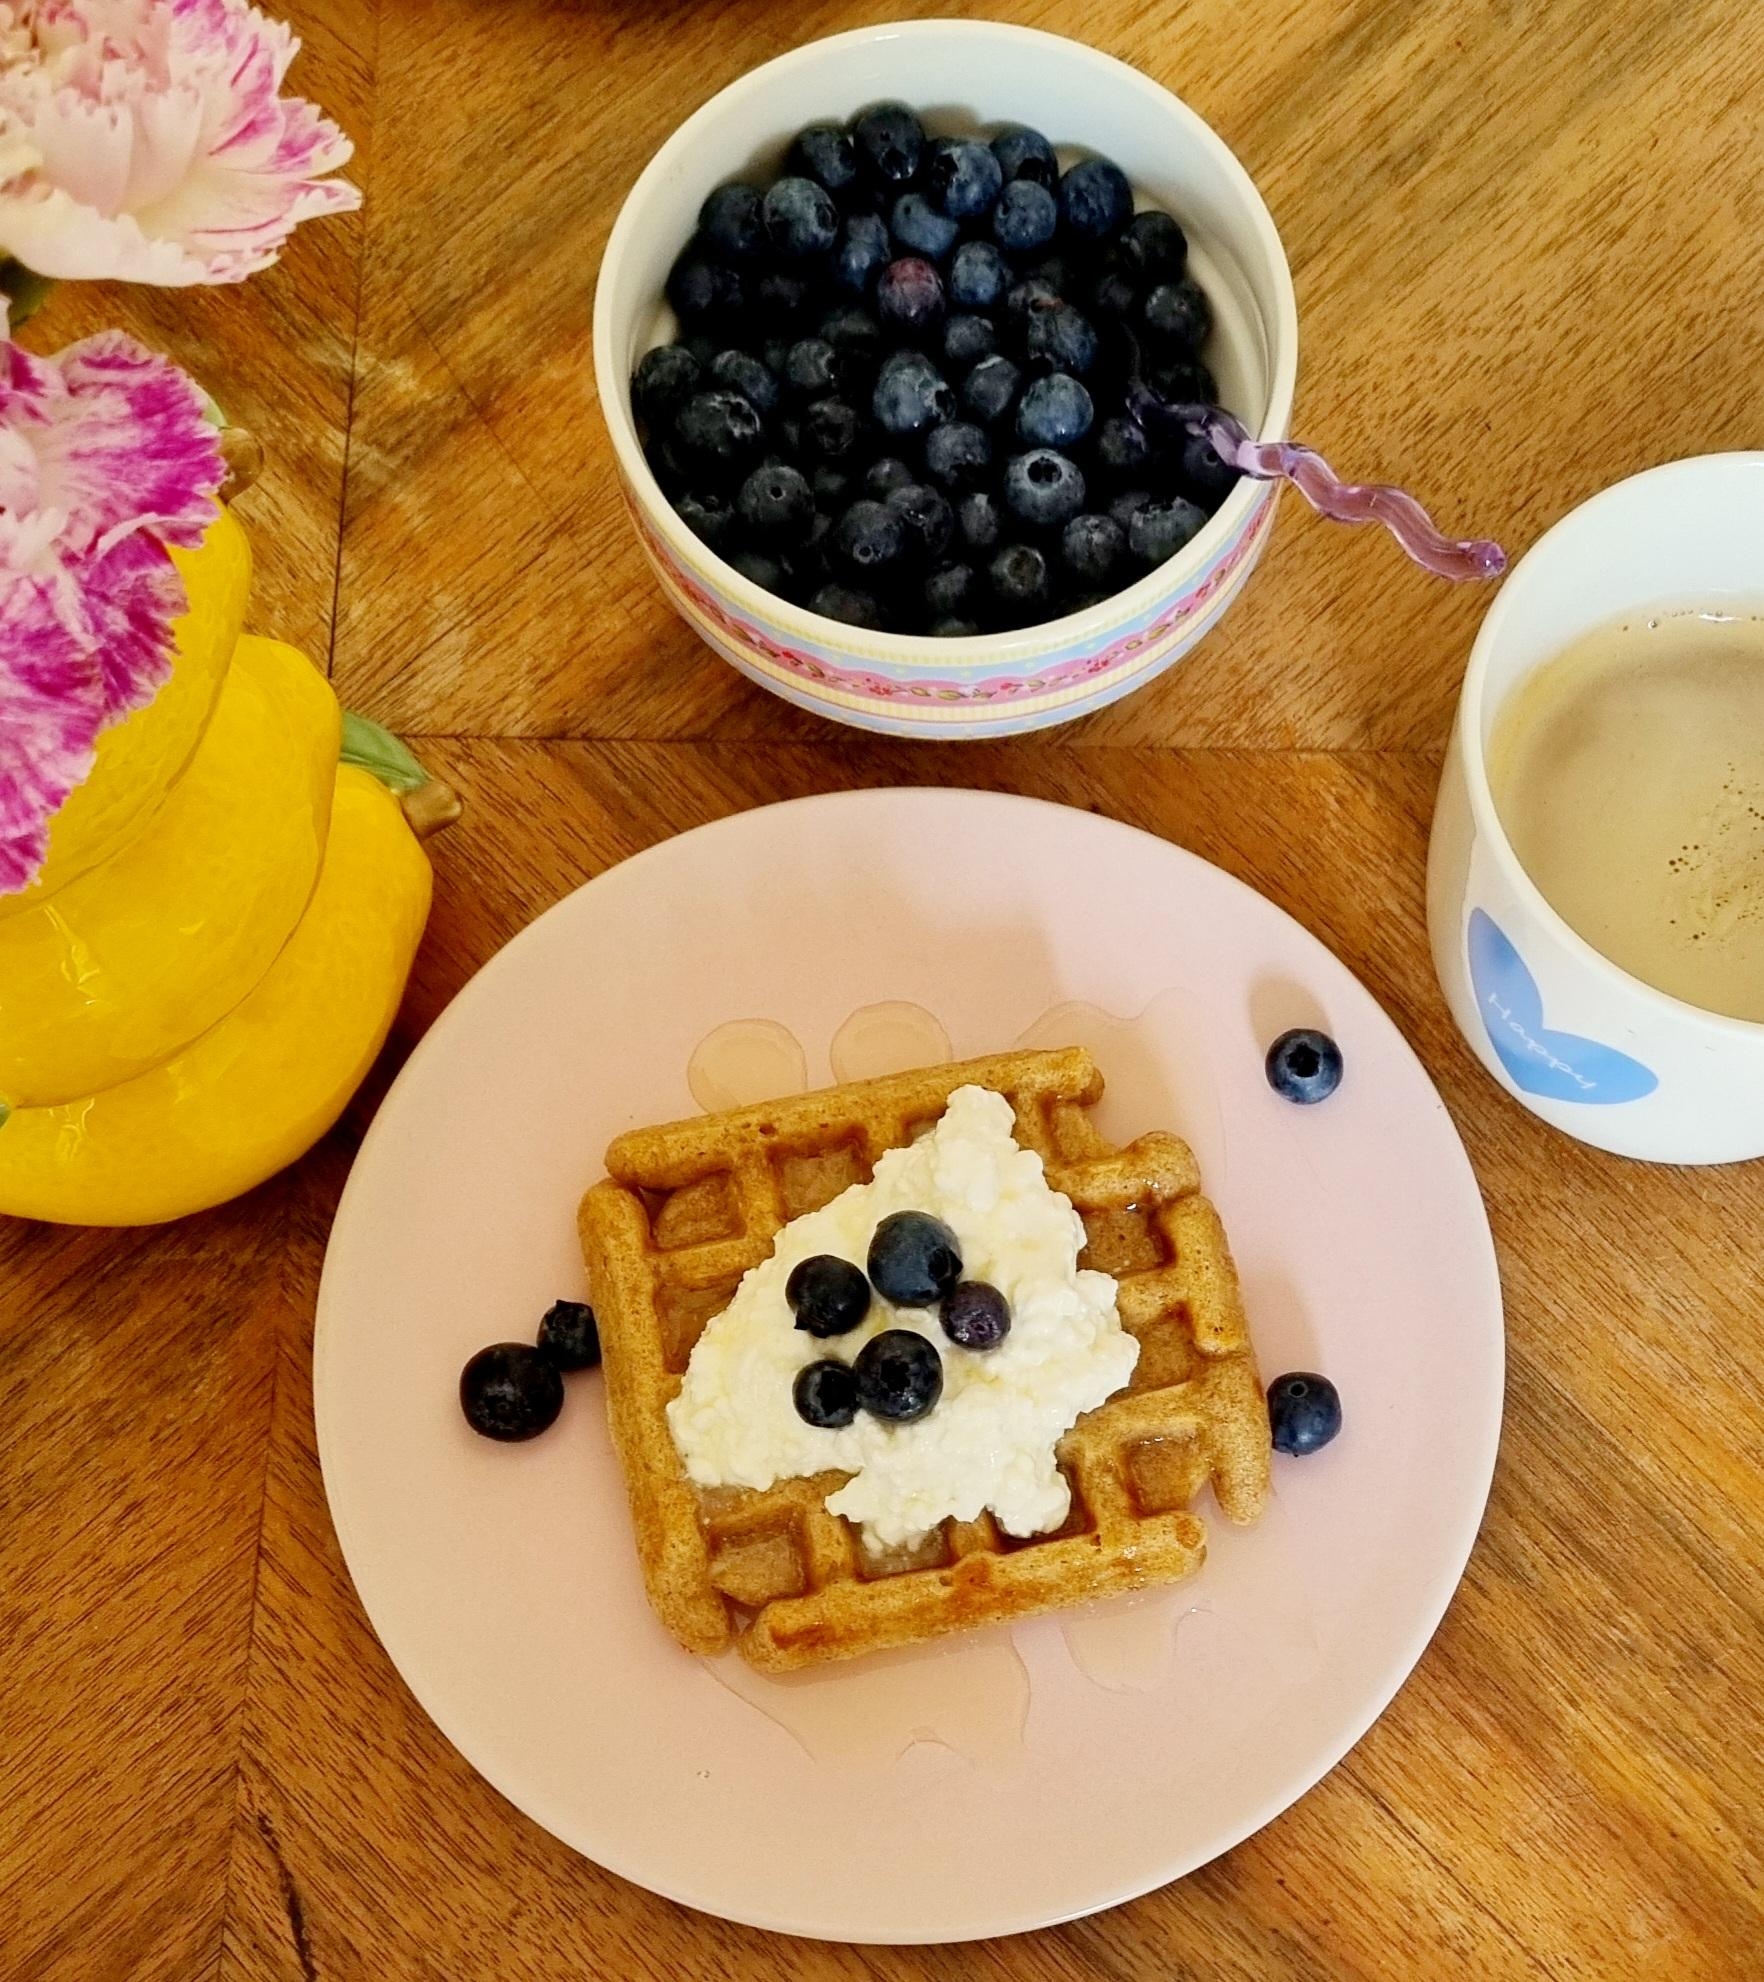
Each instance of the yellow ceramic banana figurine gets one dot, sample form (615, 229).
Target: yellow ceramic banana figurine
(217, 944)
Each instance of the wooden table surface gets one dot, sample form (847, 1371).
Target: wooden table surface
(1529, 248)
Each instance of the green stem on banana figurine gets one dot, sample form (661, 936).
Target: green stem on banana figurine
(428, 804)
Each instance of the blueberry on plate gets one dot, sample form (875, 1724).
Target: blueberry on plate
(1122, 446)
(831, 430)
(720, 430)
(776, 503)
(957, 454)
(1043, 488)
(1178, 313)
(990, 390)
(1304, 1412)
(962, 177)
(862, 253)
(1020, 589)
(889, 141)
(811, 369)
(911, 394)
(966, 340)
(1024, 218)
(1027, 295)
(853, 332)
(909, 297)
(914, 1259)
(1096, 201)
(742, 372)
(826, 1395)
(849, 605)
(978, 520)
(510, 1391)
(800, 218)
(729, 222)
(1304, 1066)
(899, 1374)
(1211, 479)
(708, 514)
(569, 1336)
(824, 153)
(868, 538)
(1154, 247)
(664, 380)
(1093, 549)
(976, 1315)
(920, 228)
(886, 474)
(1058, 339)
(828, 1295)
(926, 522)
(978, 276)
(1023, 153)
(757, 567)
(1055, 411)
(1158, 530)
(1128, 504)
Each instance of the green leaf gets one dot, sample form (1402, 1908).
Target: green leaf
(378, 750)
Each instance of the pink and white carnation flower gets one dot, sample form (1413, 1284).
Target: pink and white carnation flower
(106, 457)
(145, 141)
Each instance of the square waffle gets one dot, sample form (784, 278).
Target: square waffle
(688, 1208)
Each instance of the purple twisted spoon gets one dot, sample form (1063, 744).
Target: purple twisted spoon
(1318, 483)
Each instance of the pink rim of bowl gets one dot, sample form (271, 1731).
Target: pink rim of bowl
(960, 74)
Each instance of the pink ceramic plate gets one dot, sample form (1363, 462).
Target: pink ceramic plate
(1016, 1779)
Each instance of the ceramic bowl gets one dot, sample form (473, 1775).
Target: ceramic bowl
(961, 76)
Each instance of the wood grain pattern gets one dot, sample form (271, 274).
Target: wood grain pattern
(1528, 242)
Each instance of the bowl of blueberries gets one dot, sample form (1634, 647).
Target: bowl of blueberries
(894, 338)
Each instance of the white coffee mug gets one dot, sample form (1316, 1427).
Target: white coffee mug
(1575, 1039)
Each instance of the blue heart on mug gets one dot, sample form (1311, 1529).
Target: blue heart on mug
(1559, 1066)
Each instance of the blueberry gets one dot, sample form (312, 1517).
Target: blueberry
(990, 390)
(1058, 339)
(855, 334)
(811, 369)
(886, 474)
(1211, 479)
(862, 253)
(868, 538)
(889, 141)
(1056, 411)
(953, 628)
(1056, 271)
(1018, 576)
(1154, 247)
(740, 371)
(1043, 488)
(776, 503)
(957, 454)
(1024, 298)
(1112, 295)
(730, 223)
(1304, 1412)
(1178, 313)
(825, 1395)
(914, 1259)
(926, 522)
(1122, 447)
(962, 177)
(909, 297)
(831, 430)
(824, 153)
(1024, 218)
(1128, 504)
(720, 430)
(1096, 201)
(977, 520)
(664, 380)
(976, 1315)
(758, 568)
(966, 340)
(702, 345)
(700, 289)
(708, 515)
(978, 276)
(781, 297)
(951, 591)
(569, 1337)
(843, 602)
(1186, 382)
(828, 1295)
(1023, 153)
(511, 1391)
(800, 218)
(899, 1374)
(1304, 1066)
(833, 490)
(772, 354)
(920, 229)
(1159, 530)
(911, 394)
(1093, 548)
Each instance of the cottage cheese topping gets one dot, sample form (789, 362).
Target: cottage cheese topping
(989, 1442)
